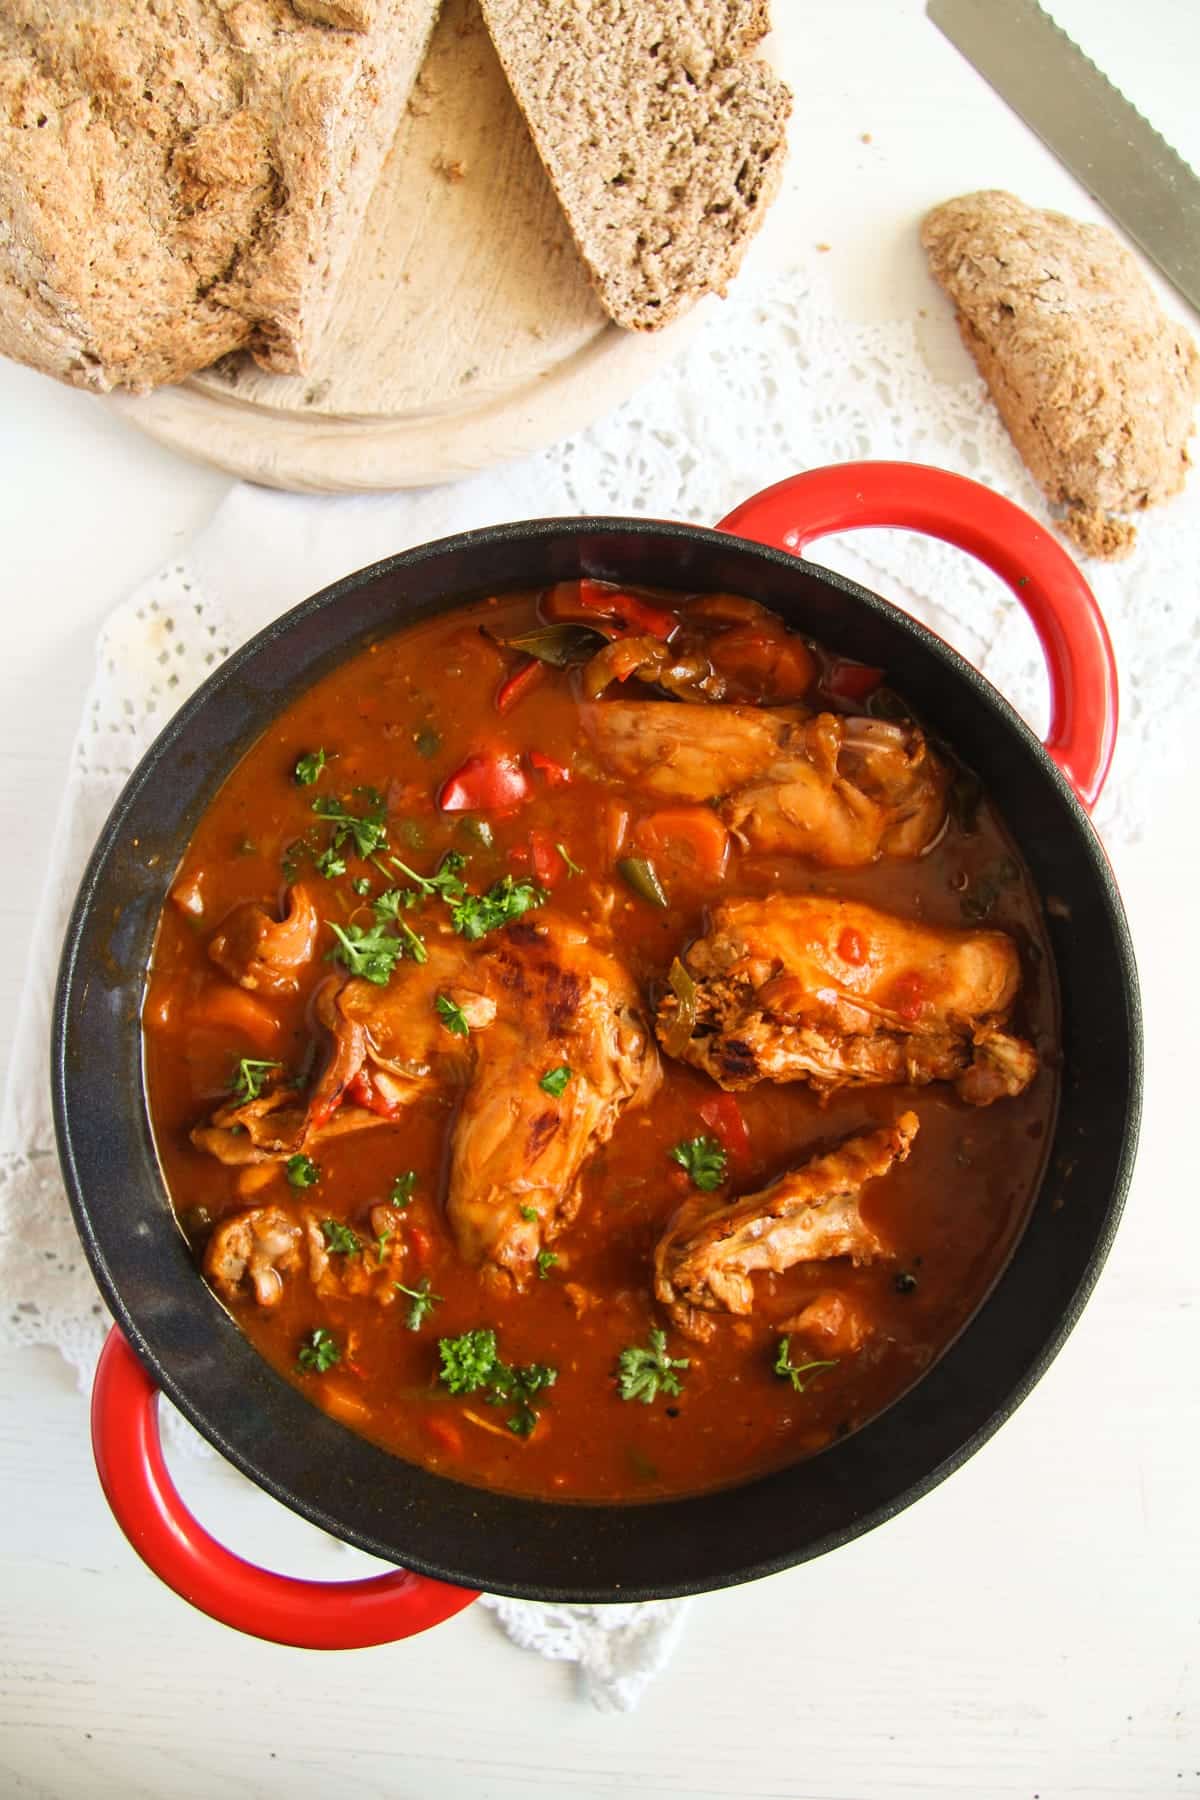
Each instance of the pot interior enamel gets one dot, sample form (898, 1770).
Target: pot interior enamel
(552, 1550)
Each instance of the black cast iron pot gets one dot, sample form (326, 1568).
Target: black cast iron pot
(183, 1341)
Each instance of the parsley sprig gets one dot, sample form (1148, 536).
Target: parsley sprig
(318, 1352)
(402, 1188)
(423, 1302)
(506, 900)
(452, 1016)
(554, 1081)
(340, 1238)
(799, 1374)
(472, 1363)
(308, 767)
(704, 1160)
(250, 1077)
(302, 1171)
(366, 950)
(642, 1374)
(367, 830)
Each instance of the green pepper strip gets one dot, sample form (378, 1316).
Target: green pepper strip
(684, 1022)
(642, 877)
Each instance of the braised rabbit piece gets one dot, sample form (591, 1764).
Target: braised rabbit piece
(800, 987)
(569, 1051)
(839, 790)
(705, 1261)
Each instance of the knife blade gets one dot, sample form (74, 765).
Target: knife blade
(1090, 126)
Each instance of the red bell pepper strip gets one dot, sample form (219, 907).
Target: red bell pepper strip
(851, 680)
(556, 774)
(592, 602)
(544, 859)
(723, 1115)
(491, 781)
(513, 688)
(363, 1092)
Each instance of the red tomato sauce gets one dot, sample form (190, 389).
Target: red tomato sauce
(440, 710)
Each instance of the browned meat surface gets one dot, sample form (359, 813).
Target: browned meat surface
(800, 987)
(262, 953)
(840, 791)
(256, 1249)
(706, 1260)
(392, 1037)
(518, 1151)
(272, 1128)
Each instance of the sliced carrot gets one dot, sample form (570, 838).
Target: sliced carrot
(691, 838)
(445, 1434)
(254, 1177)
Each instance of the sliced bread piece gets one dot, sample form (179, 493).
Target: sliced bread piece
(662, 133)
(183, 178)
(1096, 384)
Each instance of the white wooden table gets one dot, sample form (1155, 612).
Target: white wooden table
(1028, 1630)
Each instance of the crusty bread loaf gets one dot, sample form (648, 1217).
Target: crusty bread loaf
(664, 136)
(181, 178)
(1096, 384)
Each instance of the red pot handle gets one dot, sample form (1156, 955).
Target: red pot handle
(312, 1615)
(1062, 607)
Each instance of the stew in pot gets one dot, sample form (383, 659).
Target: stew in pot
(597, 1045)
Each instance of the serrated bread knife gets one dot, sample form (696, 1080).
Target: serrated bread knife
(1090, 126)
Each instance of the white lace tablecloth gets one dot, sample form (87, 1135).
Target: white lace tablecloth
(774, 383)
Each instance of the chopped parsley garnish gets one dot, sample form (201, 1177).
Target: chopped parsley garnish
(392, 902)
(319, 1352)
(308, 767)
(367, 832)
(361, 885)
(554, 1081)
(799, 1374)
(428, 741)
(446, 879)
(402, 1188)
(573, 868)
(302, 1171)
(467, 1361)
(423, 1302)
(529, 1214)
(250, 1077)
(704, 1160)
(339, 1238)
(472, 1362)
(330, 864)
(644, 1374)
(413, 942)
(546, 1260)
(506, 900)
(369, 951)
(452, 1016)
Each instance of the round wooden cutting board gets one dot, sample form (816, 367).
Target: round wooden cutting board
(465, 330)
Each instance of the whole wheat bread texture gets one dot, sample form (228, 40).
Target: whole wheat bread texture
(182, 178)
(661, 131)
(1097, 386)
